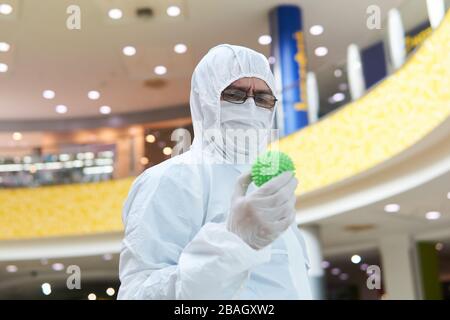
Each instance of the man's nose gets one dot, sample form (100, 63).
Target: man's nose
(250, 91)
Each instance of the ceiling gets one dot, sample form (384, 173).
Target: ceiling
(375, 223)
(46, 55)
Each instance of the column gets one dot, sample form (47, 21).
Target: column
(396, 39)
(398, 267)
(122, 161)
(436, 12)
(288, 49)
(355, 74)
(312, 90)
(311, 235)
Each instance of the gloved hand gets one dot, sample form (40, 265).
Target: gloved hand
(260, 217)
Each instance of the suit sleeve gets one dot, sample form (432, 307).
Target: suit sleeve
(168, 254)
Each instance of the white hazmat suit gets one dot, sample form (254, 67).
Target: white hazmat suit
(176, 244)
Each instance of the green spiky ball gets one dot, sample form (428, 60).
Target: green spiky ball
(270, 164)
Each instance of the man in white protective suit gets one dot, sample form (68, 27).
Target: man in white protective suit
(195, 225)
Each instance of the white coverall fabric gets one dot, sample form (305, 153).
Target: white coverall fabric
(176, 244)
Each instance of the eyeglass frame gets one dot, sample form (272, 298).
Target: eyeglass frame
(248, 96)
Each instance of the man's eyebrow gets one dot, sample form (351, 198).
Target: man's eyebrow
(268, 91)
(238, 87)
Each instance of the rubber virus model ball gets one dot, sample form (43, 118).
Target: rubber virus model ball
(269, 165)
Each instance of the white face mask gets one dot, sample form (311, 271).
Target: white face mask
(245, 128)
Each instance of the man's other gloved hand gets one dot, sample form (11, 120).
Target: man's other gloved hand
(260, 217)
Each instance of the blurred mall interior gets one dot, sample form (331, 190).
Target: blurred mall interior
(93, 92)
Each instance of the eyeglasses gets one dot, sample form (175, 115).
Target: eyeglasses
(238, 96)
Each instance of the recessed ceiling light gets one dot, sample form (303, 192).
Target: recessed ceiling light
(265, 40)
(150, 138)
(57, 266)
(180, 48)
(11, 268)
(48, 94)
(61, 108)
(5, 8)
(335, 271)
(338, 73)
(316, 30)
(110, 291)
(3, 67)
(325, 264)
(115, 14)
(17, 136)
(92, 296)
(167, 151)
(439, 246)
(392, 208)
(272, 60)
(160, 70)
(105, 109)
(46, 288)
(364, 266)
(129, 51)
(173, 11)
(433, 215)
(321, 51)
(93, 95)
(4, 47)
(338, 97)
(343, 276)
(144, 161)
(355, 259)
(107, 256)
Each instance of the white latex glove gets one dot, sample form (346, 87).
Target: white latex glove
(260, 217)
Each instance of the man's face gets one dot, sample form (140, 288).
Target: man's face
(245, 126)
(240, 90)
(251, 85)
